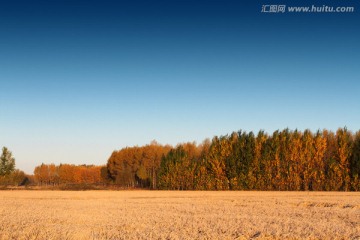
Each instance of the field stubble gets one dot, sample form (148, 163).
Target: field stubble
(179, 215)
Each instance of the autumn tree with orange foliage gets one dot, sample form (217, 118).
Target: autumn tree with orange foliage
(137, 166)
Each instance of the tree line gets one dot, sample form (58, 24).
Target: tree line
(284, 160)
(51, 174)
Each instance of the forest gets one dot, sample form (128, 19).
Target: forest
(286, 160)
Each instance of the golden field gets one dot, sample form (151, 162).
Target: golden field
(179, 215)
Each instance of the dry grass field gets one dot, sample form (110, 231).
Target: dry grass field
(178, 215)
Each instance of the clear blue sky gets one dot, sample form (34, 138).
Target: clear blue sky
(79, 79)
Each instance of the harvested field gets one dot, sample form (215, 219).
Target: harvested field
(179, 215)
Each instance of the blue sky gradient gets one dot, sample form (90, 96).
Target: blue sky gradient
(79, 79)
